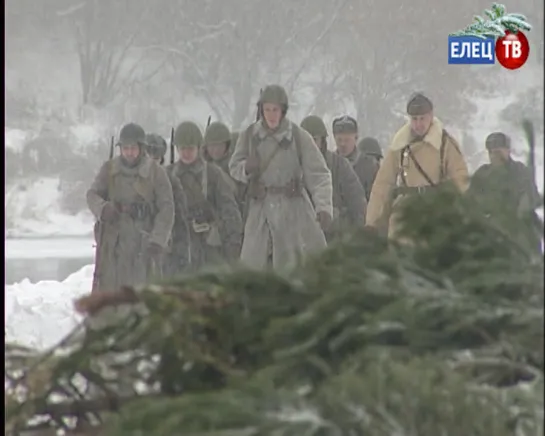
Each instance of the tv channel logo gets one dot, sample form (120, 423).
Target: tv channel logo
(511, 50)
(496, 35)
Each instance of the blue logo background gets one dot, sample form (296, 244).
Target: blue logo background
(470, 50)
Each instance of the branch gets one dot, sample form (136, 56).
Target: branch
(59, 411)
(200, 73)
(308, 56)
(72, 9)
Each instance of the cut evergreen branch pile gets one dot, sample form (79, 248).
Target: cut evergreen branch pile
(442, 337)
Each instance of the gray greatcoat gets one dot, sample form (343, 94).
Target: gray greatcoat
(144, 196)
(278, 227)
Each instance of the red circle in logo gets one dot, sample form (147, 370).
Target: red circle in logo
(512, 50)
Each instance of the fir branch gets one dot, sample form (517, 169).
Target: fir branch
(497, 24)
(362, 328)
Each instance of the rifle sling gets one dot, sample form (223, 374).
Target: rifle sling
(419, 167)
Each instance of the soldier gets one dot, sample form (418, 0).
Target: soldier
(178, 255)
(213, 213)
(345, 132)
(349, 202)
(370, 147)
(421, 156)
(217, 145)
(504, 181)
(132, 201)
(218, 149)
(289, 186)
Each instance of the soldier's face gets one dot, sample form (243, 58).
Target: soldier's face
(272, 114)
(216, 151)
(499, 156)
(188, 155)
(420, 124)
(346, 143)
(130, 152)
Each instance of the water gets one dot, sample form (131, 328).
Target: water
(46, 258)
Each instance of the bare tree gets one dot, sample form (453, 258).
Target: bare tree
(381, 67)
(529, 105)
(105, 35)
(226, 51)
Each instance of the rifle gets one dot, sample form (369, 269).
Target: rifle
(154, 265)
(257, 114)
(112, 148)
(245, 198)
(529, 133)
(172, 145)
(99, 234)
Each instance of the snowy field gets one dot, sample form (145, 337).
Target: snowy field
(34, 206)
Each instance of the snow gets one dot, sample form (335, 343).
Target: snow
(15, 139)
(47, 248)
(33, 209)
(39, 315)
(33, 205)
(84, 134)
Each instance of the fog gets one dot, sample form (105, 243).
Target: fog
(76, 71)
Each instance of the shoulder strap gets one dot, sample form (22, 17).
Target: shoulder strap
(110, 179)
(248, 139)
(144, 185)
(297, 140)
(442, 155)
(406, 151)
(336, 164)
(205, 180)
(419, 167)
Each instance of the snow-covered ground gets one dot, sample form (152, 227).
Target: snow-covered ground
(33, 205)
(33, 210)
(40, 314)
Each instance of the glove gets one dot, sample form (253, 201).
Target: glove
(324, 219)
(154, 250)
(252, 165)
(109, 213)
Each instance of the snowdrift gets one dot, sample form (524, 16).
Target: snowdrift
(38, 315)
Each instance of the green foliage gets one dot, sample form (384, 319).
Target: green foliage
(443, 336)
(498, 22)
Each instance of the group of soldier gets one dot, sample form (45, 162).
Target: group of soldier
(272, 193)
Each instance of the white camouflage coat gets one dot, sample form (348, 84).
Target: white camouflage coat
(287, 225)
